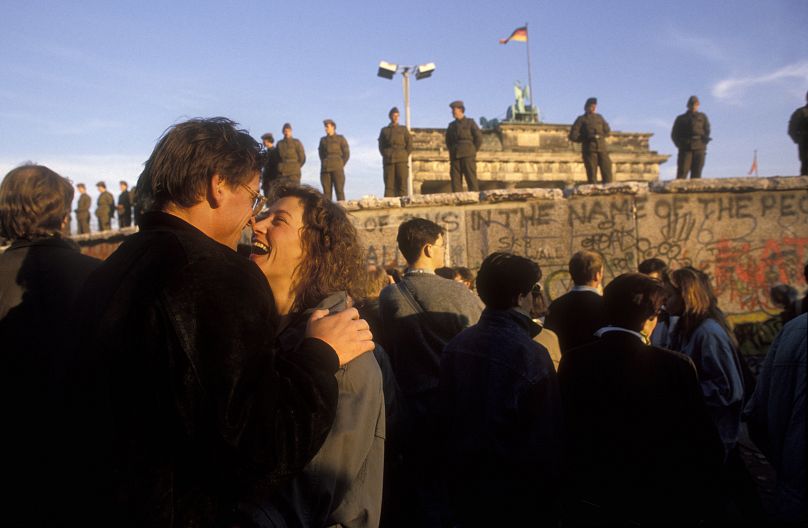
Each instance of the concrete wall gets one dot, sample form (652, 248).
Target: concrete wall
(747, 233)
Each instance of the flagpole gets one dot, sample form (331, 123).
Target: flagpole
(529, 77)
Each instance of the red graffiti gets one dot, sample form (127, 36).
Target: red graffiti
(743, 274)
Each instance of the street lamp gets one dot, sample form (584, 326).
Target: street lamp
(387, 70)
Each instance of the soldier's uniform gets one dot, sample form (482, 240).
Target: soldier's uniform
(798, 130)
(463, 139)
(334, 154)
(269, 172)
(83, 213)
(591, 131)
(291, 157)
(690, 134)
(124, 209)
(105, 206)
(395, 146)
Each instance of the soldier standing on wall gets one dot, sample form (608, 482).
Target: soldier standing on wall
(690, 134)
(591, 130)
(83, 209)
(270, 170)
(105, 207)
(124, 206)
(395, 145)
(463, 139)
(334, 154)
(291, 155)
(798, 130)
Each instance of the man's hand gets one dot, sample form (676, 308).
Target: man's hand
(345, 332)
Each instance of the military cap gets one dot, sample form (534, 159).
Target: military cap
(268, 136)
(591, 101)
(392, 111)
(101, 184)
(285, 126)
(329, 122)
(692, 100)
(457, 104)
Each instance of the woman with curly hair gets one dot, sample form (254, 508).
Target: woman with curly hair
(309, 252)
(703, 334)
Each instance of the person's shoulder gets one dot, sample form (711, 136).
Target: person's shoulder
(672, 358)
(388, 293)
(708, 327)
(363, 373)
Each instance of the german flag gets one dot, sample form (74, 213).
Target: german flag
(519, 35)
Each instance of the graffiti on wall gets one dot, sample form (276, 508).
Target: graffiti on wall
(746, 241)
(379, 231)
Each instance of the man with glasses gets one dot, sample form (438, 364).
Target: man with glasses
(181, 400)
(421, 313)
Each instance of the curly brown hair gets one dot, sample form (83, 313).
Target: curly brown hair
(34, 202)
(333, 257)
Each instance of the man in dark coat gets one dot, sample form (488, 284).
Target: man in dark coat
(463, 139)
(83, 209)
(334, 154)
(124, 206)
(41, 274)
(798, 131)
(641, 448)
(501, 406)
(576, 315)
(182, 401)
(591, 131)
(269, 172)
(690, 134)
(290, 155)
(105, 207)
(395, 146)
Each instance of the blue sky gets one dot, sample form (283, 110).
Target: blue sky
(87, 87)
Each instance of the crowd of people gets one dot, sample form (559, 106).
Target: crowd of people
(180, 383)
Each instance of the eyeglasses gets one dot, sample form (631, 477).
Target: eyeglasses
(259, 201)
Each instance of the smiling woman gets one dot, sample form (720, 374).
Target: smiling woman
(309, 252)
(308, 248)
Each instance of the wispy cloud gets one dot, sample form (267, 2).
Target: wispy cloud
(698, 45)
(87, 168)
(732, 87)
(63, 128)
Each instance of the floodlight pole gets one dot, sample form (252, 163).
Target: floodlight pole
(387, 71)
(405, 75)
